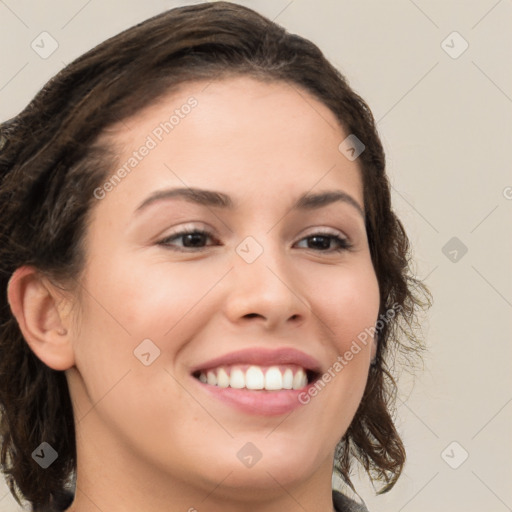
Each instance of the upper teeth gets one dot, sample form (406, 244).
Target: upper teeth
(254, 377)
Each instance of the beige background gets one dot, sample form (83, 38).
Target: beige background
(446, 124)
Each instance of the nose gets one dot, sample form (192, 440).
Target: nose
(266, 291)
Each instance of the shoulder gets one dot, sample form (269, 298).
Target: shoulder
(344, 504)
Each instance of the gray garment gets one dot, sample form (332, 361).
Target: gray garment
(344, 504)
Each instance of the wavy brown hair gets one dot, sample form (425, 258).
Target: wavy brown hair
(52, 158)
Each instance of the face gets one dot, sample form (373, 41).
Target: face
(194, 301)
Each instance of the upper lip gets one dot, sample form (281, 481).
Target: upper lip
(263, 357)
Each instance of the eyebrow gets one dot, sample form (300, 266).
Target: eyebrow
(307, 201)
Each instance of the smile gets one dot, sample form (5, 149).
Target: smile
(253, 377)
(258, 381)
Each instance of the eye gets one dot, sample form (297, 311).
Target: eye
(196, 239)
(192, 239)
(321, 242)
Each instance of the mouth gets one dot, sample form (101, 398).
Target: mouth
(256, 377)
(259, 382)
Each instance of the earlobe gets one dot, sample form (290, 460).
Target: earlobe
(36, 304)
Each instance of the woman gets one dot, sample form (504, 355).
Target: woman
(203, 279)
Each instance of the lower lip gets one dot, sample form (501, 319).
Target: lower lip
(258, 402)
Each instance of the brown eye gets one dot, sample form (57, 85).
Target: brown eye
(322, 242)
(191, 239)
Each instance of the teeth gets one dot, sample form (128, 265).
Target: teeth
(274, 379)
(299, 380)
(288, 379)
(254, 378)
(237, 379)
(211, 378)
(222, 378)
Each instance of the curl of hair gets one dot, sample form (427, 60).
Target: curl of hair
(52, 157)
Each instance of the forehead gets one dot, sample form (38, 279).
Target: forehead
(238, 133)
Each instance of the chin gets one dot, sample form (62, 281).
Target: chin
(264, 465)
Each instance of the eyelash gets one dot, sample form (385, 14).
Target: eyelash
(343, 243)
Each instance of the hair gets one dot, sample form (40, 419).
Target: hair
(52, 157)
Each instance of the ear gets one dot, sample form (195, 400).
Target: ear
(39, 309)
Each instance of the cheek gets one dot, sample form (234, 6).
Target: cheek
(127, 303)
(144, 300)
(348, 299)
(123, 308)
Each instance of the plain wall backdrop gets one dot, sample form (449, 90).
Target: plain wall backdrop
(437, 76)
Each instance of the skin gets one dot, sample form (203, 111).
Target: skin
(148, 438)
